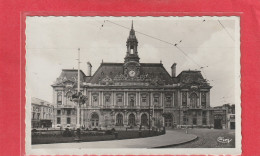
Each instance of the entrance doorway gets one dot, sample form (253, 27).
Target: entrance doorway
(232, 125)
(144, 120)
(131, 120)
(217, 124)
(119, 120)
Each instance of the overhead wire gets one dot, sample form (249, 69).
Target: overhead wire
(226, 30)
(173, 44)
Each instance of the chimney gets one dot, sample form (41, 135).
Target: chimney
(173, 69)
(89, 66)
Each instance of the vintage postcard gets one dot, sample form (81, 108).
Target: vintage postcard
(133, 85)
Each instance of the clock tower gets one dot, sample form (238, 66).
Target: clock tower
(132, 65)
(131, 44)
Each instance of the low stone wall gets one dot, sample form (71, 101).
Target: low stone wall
(54, 136)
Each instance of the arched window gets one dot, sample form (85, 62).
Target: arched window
(144, 120)
(203, 99)
(193, 100)
(119, 120)
(59, 98)
(131, 120)
(94, 120)
(68, 97)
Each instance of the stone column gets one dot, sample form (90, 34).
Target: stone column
(124, 98)
(112, 99)
(139, 98)
(136, 101)
(102, 98)
(89, 99)
(162, 100)
(62, 97)
(127, 98)
(173, 99)
(200, 99)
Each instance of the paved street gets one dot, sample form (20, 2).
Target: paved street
(207, 138)
(170, 138)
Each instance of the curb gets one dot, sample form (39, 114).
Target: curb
(164, 146)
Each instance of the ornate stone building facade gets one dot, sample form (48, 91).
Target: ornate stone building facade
(42, 113)
(126, 94)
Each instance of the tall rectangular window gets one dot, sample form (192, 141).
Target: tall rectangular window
(107, 99)
(95, 100)
(119, 99)
(68, 120)
(58, 112)
(59, 98)
(144, 99)
(68, 112)
(168, 101)
(58, 120)
(156, 100)
(203, 99)
(132, 101)
(184, 98)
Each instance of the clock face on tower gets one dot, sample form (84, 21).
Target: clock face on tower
(131, 73)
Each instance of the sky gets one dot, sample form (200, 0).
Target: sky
(208, 44)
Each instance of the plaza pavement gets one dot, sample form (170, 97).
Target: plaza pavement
(168, 139)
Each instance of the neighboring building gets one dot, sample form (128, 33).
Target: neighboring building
(121, 94)
(41, 113)
(224, 116)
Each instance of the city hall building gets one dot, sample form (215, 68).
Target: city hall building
(126, 94)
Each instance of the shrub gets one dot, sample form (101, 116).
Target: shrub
(67, 133)
(108, 132)
(113, 130)
(95, 129)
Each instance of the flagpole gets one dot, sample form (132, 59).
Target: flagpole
(78, 104)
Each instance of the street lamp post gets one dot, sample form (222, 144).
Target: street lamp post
(149, 116)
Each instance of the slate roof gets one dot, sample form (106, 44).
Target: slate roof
(38, 101)
(113, 69)
(189, 77)
(70, 74)
(153, 70)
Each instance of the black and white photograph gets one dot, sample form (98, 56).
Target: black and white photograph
(133, 85)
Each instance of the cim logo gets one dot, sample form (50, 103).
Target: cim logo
(224, 140)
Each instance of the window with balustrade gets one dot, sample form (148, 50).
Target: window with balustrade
(95, 99)
(144, 99)
(107, 100)
(119, 100)
(131, 100)
(156, 100)
(168, 101)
